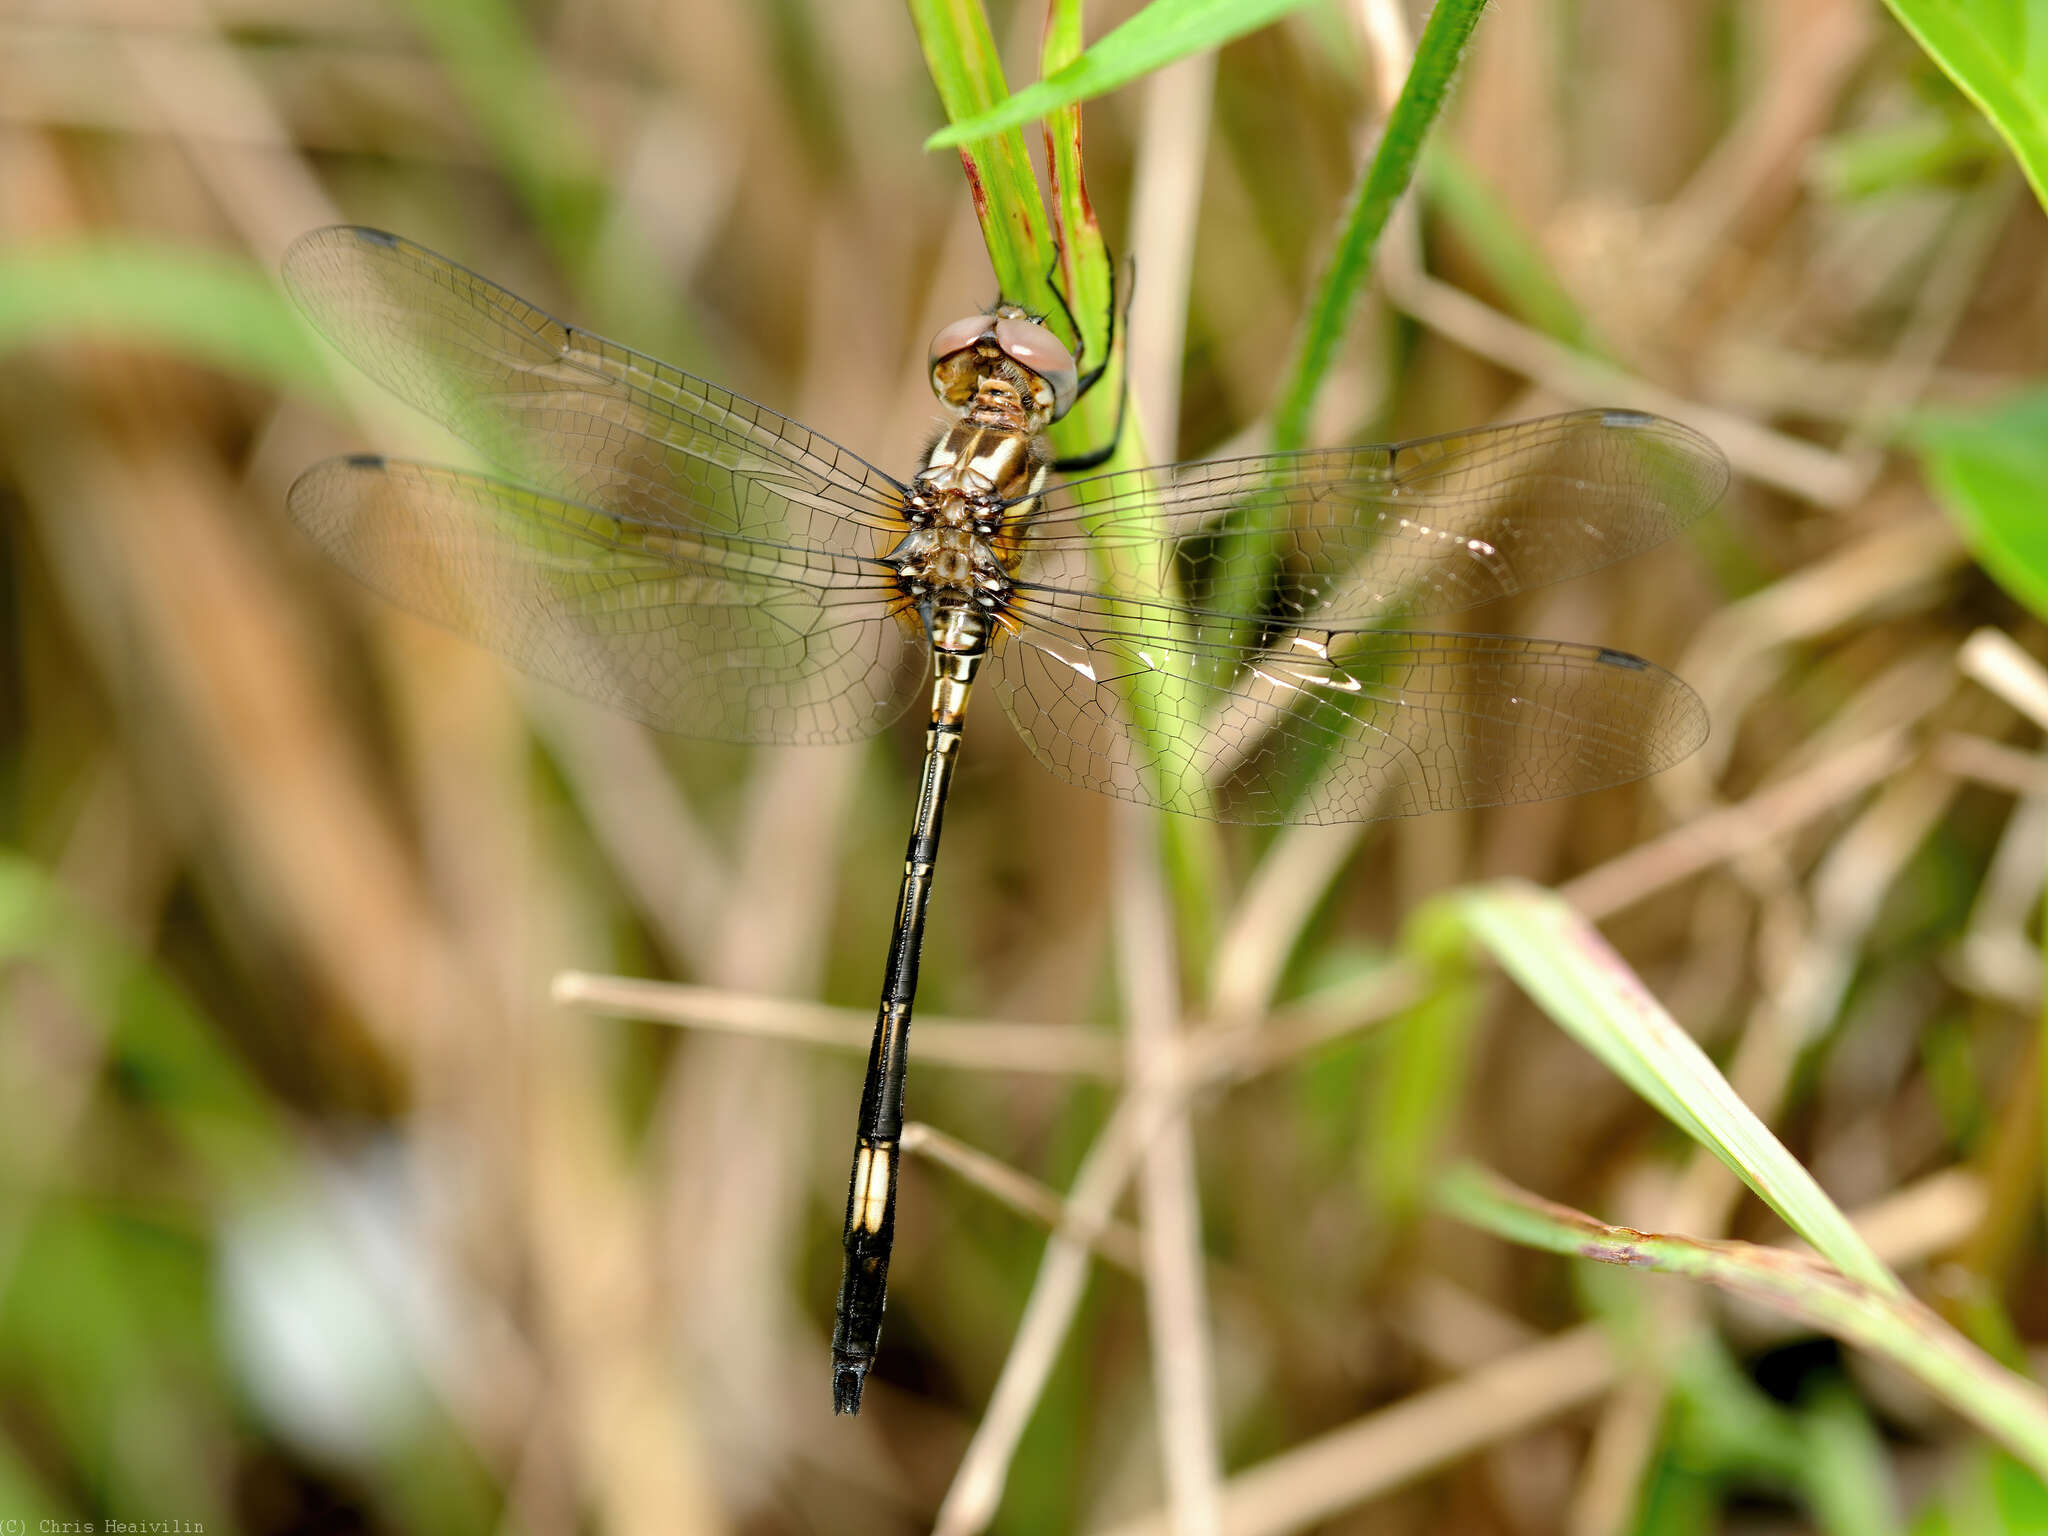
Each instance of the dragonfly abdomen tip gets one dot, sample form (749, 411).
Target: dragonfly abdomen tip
(847, 1381)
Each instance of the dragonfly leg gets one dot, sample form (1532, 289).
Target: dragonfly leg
(1095, 457)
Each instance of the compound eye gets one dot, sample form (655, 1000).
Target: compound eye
(1033, 347)
(959, 336)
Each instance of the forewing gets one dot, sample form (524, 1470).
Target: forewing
(1331, 725)
(1357, 535)
(575, 414)
(701, 633)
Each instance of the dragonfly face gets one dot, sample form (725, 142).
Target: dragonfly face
(1008, 351)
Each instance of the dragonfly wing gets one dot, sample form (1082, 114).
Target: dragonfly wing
(573, 413)
(1332, 725)
(705, 634)
(1357, 535)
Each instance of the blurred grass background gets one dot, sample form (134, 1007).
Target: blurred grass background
(316, 1215)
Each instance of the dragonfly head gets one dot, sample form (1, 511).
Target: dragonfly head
(1007, 346)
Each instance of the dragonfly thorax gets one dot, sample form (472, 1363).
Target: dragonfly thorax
(950, 568)
(1007, 362)
(980, 466)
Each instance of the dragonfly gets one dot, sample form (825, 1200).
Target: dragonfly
(1226, 639)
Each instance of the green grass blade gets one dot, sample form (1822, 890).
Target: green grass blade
(1998, 55)
(1422, 1059)
(1845, 1469)
(1437, 53)
(1990, 470)
(1932, 148)
(199, 1093)
(1164, 31)
(1571, 973)
(1510, 256)
(1883, 1320)
(503, 77)
(540, 144)
(208, 309)
(1986, 1494)
(1258, 530)
(1089, 276)
(1086, 267)
(961, 54)
(23, 1488)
